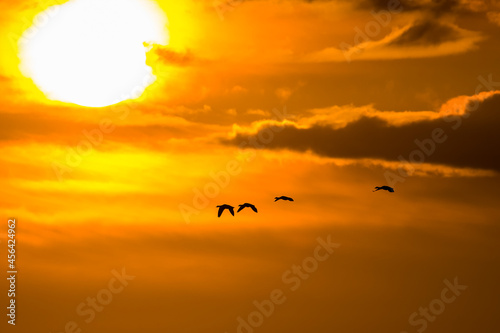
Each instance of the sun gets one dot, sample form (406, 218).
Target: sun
(93, 52)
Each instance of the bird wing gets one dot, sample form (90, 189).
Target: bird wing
(221, 209)
(254, 208)
(239, 209)
(231, 210)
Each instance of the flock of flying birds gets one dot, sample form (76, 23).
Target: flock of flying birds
(245, 205)
(248, 205)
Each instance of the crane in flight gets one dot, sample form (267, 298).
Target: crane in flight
(247, 205)
(223, 207)
(387, 188)
(283, 198)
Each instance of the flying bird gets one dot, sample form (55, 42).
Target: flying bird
(247, 205)
(222, 207)
(387, 188)
(283, 198)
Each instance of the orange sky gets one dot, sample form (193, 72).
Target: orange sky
(317, 100)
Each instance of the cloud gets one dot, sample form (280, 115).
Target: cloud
(418, 39)
(477, 6)
(494, 17)
(461, 134)
(172, 57)
(238, 89)
(437, 7)
(258, 112)
(283, 94)
(427, 33)
(147, 126)
(431, 7)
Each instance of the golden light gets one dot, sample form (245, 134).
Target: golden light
(93, 52)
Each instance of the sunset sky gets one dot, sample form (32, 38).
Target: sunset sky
(123, 124)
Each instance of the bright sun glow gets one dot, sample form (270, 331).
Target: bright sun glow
(92, 52)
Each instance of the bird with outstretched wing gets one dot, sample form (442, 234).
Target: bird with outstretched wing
(223, 207)
(247, 205)
(283, 198)
(387, 188)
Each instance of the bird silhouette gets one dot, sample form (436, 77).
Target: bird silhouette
(247, 205)
(222, 207)
(282, 198)
(387, 188)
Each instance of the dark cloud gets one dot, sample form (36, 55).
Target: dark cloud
(471, 141)
(404, 5)
(433, 8)
(172, 57)
(436, 7)
(427, 33)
